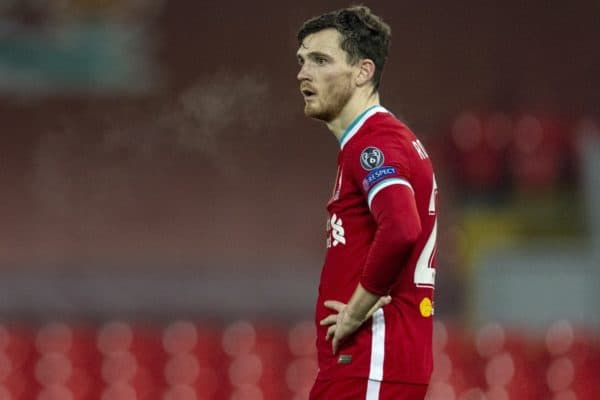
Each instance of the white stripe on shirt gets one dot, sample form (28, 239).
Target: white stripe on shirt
(385, 183)
(373, 388)
(377, 346)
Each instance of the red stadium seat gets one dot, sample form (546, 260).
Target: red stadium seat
(565, 395)
(490, 340)
(56, 392)
(572, 353)
(182, 392)
(21, 383)
(212, 382)
(300, 374)
(119, 391)
(439, 390)
(133, 360)
(54, 337)
(182, 369)
(147, 347)
(245, 370)
(245, 367)
(301, 369)
(272, 347)
(86, 380)
(247, 392)
(474, 393)
(239, 338)
(53, 369)
(586, 359)
(180, 337)
(5, 393)
(119, 367)
(6, 366)
(525, 353)
(114, 336)
(467, 366)
(68, 362)
(301, 339)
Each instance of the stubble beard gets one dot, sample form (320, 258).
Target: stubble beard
(331, 105)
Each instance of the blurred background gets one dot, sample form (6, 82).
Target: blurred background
(163, 196)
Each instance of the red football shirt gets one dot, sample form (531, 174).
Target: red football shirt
(377, 153)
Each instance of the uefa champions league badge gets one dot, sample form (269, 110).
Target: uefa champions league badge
(371, 158)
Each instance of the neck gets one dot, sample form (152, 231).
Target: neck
(355, 106)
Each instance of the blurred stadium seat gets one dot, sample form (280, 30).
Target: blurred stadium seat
(246, 359)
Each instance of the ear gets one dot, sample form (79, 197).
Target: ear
(365, 72)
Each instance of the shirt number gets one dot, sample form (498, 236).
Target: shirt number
(424, 271)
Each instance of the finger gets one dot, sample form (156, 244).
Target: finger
(331, 319)
(383, 301)
(372, 310)
(334, 305)
(334, 345)
(330, 332)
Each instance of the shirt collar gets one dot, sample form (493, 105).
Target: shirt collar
(358, 122)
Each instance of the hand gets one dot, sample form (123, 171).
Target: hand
(343, 324)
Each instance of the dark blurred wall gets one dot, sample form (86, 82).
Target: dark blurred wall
(216, 166)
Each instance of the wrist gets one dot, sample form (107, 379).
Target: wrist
(360, 303)
(355, 315)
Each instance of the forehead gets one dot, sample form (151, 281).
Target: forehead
(326, 41)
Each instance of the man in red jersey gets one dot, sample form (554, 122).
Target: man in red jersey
(375, 304)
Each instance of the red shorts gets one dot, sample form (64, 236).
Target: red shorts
(365, 389)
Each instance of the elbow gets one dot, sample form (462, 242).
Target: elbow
(410, 236)
(401, 235)
(406, 233)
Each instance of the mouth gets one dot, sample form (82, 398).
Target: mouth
(308, 93)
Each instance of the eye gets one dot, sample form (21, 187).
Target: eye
(320, 60)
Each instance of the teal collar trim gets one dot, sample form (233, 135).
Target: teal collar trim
(358, 122)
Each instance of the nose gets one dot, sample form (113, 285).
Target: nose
(303, 73)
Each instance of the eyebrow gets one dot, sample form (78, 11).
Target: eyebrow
(313, 54)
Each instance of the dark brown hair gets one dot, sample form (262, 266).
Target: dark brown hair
(364, 35)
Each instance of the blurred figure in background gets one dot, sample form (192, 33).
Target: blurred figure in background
(382, 223)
